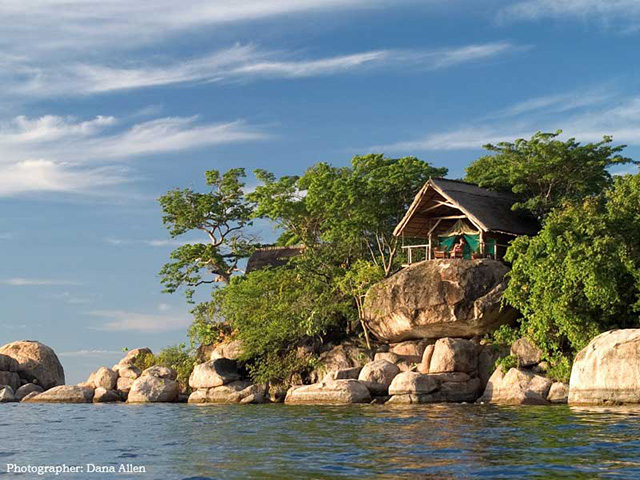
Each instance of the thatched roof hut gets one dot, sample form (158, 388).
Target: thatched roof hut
(271, 257)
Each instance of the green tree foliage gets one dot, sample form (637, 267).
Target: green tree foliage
(276, 310)
(179, 357)
(580, 275)
(544, 172)
(222, 214)
(355, 209)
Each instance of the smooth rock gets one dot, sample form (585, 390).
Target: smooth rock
(527, 353)
(231, 350)
(8, 364)
(426, 359)
(338, 358)
(7, 395)
(63, 394)
(487, 357)
(337, 392)
(410, 350)
(105, 378)
(148, 388)
(30, 396)
(607, 370)
(343, 374)
(378, 375)
(439, 298)
(558, 393)
(89, 382)
(161, 372)
(124, 385)
(516, 387)
(453, 355)
(25, 390)
(36, 362)
(214, 373)
(398, 360)
(413, 383)
(134, 355)
(129, 371)
(102, 395)
(11, 379)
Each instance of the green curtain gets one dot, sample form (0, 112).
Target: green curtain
(472, 244)
(491, 246)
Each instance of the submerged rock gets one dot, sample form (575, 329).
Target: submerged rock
(607, 370)
(36, 362)
(516, 387)
(439, 298)
(62, 394)
(334, 393)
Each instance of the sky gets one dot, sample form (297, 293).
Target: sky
(107, 104)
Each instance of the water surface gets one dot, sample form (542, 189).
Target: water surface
(178, 441)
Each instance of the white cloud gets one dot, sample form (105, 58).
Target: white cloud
(35, 282)
(119, 321)
(164, 307)
(171, 242)
(601, 11)
(70, 298)
(240, 62)
(91, 353)
(64, 154)
(587, 118)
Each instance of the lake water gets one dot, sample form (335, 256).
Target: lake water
(182, 441)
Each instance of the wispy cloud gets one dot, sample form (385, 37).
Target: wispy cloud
(36, 282)
(119, 321)
(606, 12)
(91, 353)
(170, 242)
(240, 62)
(65, 154)
(586, 117)
(70, 298)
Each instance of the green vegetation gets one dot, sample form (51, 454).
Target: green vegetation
(579, 276)
(179, 357)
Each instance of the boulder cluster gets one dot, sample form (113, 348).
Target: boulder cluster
(28, 368)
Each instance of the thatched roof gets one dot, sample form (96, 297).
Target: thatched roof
(271, 257)
(445, 199)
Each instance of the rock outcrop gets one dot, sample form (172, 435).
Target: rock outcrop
(62, 394)
(415, 388)
(338, 357)
(607, 370)
(439, 298)
(378, 375)
(338, 392)
(214, 373)
(102, 395)
(150, 389)
(37, 363)
(517, 387)
(26, 389)
(7, 395)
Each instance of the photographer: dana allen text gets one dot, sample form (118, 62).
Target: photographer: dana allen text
(74, 469)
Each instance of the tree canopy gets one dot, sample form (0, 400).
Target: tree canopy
(544, 172)
(580, 275)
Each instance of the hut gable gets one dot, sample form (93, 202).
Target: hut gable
(452, 200)
(271, 257)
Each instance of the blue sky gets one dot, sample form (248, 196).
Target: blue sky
(105, 105)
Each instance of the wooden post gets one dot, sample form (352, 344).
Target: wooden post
(409, 249)
(482, 246)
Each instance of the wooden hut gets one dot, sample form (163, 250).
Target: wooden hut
(444, 211)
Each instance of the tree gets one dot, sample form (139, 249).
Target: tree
(545, 172)
(580, 275)
(222, 214)
(355, 209)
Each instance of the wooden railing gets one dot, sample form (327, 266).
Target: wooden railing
(420, 253)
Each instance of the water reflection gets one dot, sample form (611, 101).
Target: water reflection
(370, 441)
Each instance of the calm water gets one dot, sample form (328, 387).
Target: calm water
(276, 441)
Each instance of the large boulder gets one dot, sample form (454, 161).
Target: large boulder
(134, 355)
(439, 298)
(25, 390)
(62, 394)
(105, 378)
(102, 395)
(7, 395)
(231, 349)
(413, 383)
(241, 391)
(8, 364)
(558, 393)
(516, 387)
(607, 370)
(148, 388)
(336, 392)
(340, 357)
(161, 372)
(36, 362)
(416, 388)
(214, 373)
(378, 375)
(526, 352)
(11, 379)
(454, 355)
